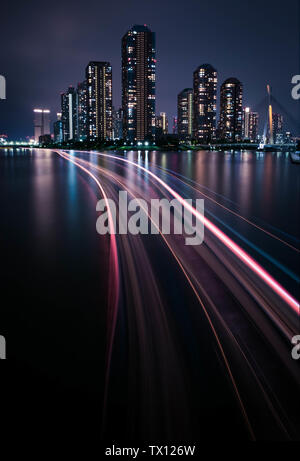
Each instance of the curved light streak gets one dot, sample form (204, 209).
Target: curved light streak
(114, 292)
(188, 278)
(251, 223)
(230, 244)
(168, 188)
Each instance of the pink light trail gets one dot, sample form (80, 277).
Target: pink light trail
(236, 249)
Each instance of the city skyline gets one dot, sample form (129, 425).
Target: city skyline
(250, 64)
(88, 112)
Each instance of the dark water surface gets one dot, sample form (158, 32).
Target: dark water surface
(54, 266)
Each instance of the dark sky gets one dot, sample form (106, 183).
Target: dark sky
(45, 47)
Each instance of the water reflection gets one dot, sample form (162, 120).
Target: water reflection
(260, 184)
(43, 195)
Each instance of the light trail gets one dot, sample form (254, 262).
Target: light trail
(251, 223)
(248, 221)
(240, 236)
(230, 244)
(188, 278)
(194, 282)
(114, 178)
(114, 275)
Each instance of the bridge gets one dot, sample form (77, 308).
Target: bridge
(267, 139)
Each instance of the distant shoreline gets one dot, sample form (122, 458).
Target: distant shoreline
(213, 148)
(217, 148)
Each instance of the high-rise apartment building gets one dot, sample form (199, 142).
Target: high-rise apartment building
(82, 110)
(69, 115)
(205, 103)
(99, 100)
(58, 129)
(138, 84)
(161, 124)
(231, 110)
(41, 123)
(117, 124)
(277, 121)
(185, 114)
(250, 125)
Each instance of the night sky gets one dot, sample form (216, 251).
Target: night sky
(45, 47)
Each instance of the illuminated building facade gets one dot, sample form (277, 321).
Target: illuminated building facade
(69, 116)
(82, 110)
(205, 103)
(250, 125)
(99, 100)
(161, 124)
(277, 121)
(58, 129)
(185, 114)
(117, 124)
(253, 126)
(164, 122)
(138, 84)
(231, 110)
(41, 123)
